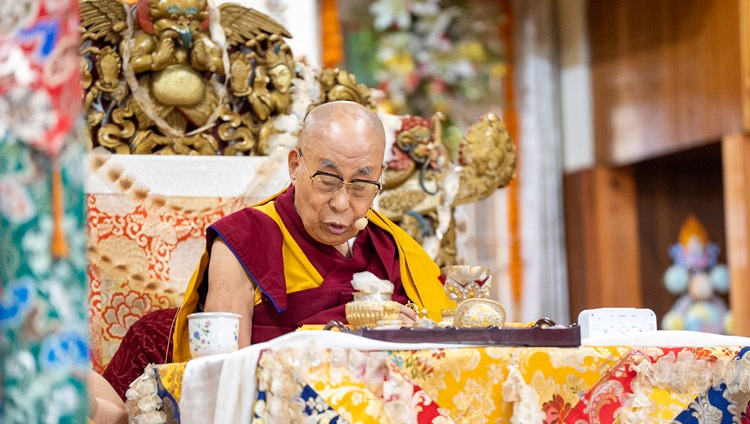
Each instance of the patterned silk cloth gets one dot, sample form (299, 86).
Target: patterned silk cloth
(43, 325)
(141, 258)
(147, 217)
(493, 385)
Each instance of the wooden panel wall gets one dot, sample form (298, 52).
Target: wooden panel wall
(665, 75)
(670, 79)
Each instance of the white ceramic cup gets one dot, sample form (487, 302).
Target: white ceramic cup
(213, 332)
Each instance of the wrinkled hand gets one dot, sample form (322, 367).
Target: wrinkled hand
(407, 315)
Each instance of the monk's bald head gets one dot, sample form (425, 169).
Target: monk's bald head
(342, 119)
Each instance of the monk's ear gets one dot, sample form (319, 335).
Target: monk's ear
(293, 163)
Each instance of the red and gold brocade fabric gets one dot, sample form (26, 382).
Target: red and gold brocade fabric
(142, 254)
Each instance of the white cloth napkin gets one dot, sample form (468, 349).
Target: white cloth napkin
(237, 384)
(199, 383)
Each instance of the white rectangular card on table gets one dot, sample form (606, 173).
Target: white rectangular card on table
(616, 321)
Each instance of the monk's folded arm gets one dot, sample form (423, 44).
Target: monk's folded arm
(230, 289)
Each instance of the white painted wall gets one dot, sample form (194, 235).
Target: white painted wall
(575, 87)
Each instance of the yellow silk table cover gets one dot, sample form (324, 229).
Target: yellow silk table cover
(497, 384)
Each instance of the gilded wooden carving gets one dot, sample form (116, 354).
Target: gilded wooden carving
(423, 185)
(175, 77)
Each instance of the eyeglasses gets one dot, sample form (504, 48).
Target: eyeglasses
(331, 183)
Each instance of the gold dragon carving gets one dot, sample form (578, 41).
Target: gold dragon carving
(177, 77)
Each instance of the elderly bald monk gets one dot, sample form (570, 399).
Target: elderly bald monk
(289, 261)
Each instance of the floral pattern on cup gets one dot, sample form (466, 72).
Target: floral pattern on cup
(213, 333)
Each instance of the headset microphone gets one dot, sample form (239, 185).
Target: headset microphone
(360, 224)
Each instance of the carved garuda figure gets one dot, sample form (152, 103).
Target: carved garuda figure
(177, 77)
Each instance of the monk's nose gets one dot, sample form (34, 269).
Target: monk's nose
(340, 200)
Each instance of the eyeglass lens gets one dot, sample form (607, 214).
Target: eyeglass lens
(330, 184)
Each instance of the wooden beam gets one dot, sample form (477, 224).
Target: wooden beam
(616, 228)
(736, 168)
(602, 239)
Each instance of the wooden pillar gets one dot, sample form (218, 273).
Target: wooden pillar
(736, 167)
(745, 62)
(601, 220)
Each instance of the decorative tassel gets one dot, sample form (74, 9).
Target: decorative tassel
(59, 245)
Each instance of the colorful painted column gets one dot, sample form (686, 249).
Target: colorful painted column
(44, 332)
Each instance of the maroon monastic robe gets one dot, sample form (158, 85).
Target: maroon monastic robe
(256, 240)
